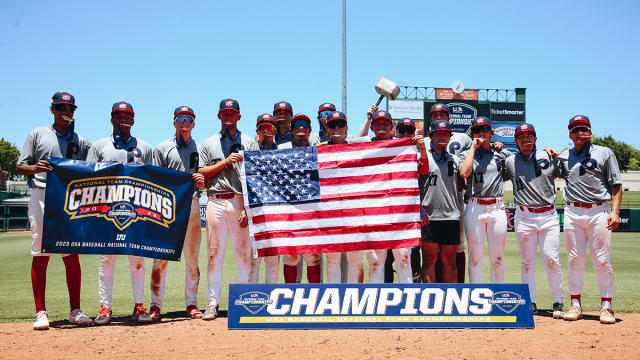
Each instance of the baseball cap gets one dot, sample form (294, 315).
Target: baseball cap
(62, 97)
(381, 115)
(183, 110)
(326, 106)
(523, 128)
(440, 125)
(282, 105)
(266, 119)
(439, 107)
(229, 104)
(579, 120)
(480, 121)
(122, 106)
(406, 122)
(300, 117)
(336, 115)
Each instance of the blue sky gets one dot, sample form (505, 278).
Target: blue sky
(574, 57)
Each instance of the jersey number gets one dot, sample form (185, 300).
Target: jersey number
(589, 164)
(72, 150)
(478, 177)
(193, 160)
(432, 180)
(133, 153)
(519, 185)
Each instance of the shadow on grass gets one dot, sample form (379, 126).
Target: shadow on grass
(549, 313)
(173, 316)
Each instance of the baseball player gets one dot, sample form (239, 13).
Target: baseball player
(180, 152)
(336, 126)
(57, 140)
(283, 112)
(536, 222)
(121, 147)
(593, 179)
(301, 128)
(266, 131)
(485, 213)
(439, 200)
(226, 215)
(323, 134)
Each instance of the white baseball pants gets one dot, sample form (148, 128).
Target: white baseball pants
(36, 216)
(492, 221)
(377, 258)
(271, 268)
(335, 271)
(105, 278)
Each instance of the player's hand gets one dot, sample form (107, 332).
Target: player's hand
(466, 198)
(208, 183)
(258, 138)
(498, 146)
(199, 179)
(552, 151)
(613, 221)
(371, 110)
(233, 158)
(43, 166)
(424, 219)
(243, 220)
(477, 142)
(419, 140)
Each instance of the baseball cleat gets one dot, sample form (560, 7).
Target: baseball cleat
(79, 318)
(154, 312)
(534, 308)
(104, 316)
(41, 321)
(574, 313)
(211, 313)
(193, 311)
(606, 316)
(558, 310)
(140, 314)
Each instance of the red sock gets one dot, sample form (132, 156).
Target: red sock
(313, 274)
(39, 280)
(74, 277)
(290, 273)
(577, 297)
(605, 299)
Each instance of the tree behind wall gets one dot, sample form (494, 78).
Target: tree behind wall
(9, 155)
(628, 156)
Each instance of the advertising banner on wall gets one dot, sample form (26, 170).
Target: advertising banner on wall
(461, 114)
(504, 132)
(448, 94)
(507, 111)
(412, 109)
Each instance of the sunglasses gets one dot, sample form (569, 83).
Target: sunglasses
(481, 129)
(406, 129)
(266, 127)
(580, 129)
(297, 124)
(64, 107)
(184, 118)
(325, 113)
(337, 123)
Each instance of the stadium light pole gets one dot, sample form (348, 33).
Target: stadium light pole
(344, 56)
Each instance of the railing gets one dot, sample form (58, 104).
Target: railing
(429, 93)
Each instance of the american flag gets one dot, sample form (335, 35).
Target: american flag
(332, 198)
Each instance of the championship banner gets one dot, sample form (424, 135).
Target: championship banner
(116, 209)
(367, 306)
(332, 198)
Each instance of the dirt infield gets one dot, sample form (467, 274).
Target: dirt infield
(178, 337)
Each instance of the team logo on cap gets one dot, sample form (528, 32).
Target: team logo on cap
(229, 103)
(265, 116)
(326, 105)
(578, 117)
(439, 106)
(442, 125)
(336, 114)
(66, 97)
(122, 106)
(184, 108)
(407, 121)
(480, 121)
(381, 113)
(524, 127)
(282, 105)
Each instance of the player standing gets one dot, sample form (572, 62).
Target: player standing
(536, 222)
(57, 140)
(226, 215)
(283, 112)
(180, 152)
(593, 179)
(121, 147)
(323, 134)
(485, 213)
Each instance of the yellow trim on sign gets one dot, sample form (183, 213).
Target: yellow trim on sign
(378, 319)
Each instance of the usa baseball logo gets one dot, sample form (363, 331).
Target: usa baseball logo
(335, 115)
(121, 200)
(265, 116)
(578, 117)
(326, 105)
(442, 125)
(282, 105)
(184, 108)
(122, 106)
(254, 301)
(524, 127)
(480, 121)
(439, 107)
(229, 103)
(381, 113)
(66, 97)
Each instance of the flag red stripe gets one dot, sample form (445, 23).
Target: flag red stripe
(378, 194)
(364, 146)
(345, 164)
(317, 249)
(369, 178)
(382, 210)
(336, 230)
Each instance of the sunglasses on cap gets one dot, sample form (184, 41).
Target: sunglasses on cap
(184, 118)
(266, 127)
(580, 129)
(406, 129)
(297, 124)
(325, 113)
(64, 107)
(481, 129)
(337, 123)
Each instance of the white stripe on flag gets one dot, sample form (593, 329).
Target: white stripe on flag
(366, 154)
(367, 170)
(336, 222)
(339, 239)
(368, 186)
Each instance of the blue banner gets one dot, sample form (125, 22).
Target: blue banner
(364, 306)
(116, 209)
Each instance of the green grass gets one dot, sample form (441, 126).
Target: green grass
(630, 199)
(16, 297)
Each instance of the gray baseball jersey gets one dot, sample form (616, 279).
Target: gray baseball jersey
(46, 141)
(184, 158)
(316, 138)
(486, 178)
(532, 178)
(216, 149)
(458, 143)
(439, 189)
(590, 174)
(133, 151)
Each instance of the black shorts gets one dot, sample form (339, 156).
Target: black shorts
(443, 232)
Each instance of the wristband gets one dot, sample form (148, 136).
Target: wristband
(423, 214)
(617, 212)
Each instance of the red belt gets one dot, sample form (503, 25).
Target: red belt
(225, 196)
(485, 201)
(537, 210)
(584, 205)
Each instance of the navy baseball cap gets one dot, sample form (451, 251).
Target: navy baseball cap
(282, 105)
(480, 121)
(406, 122)
(62, 97)
(122, 106)
(579, 120)
(184, 110)
(229, 104)
(326, 106)
(381, 115)
(440, 125)
(523, 128)
(300, 117)
(336, 115)
(266, 119)
(439, 107)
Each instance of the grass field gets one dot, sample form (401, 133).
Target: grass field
(630, 199)
(16, 297)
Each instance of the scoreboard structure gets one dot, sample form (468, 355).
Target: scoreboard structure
(506, 108)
